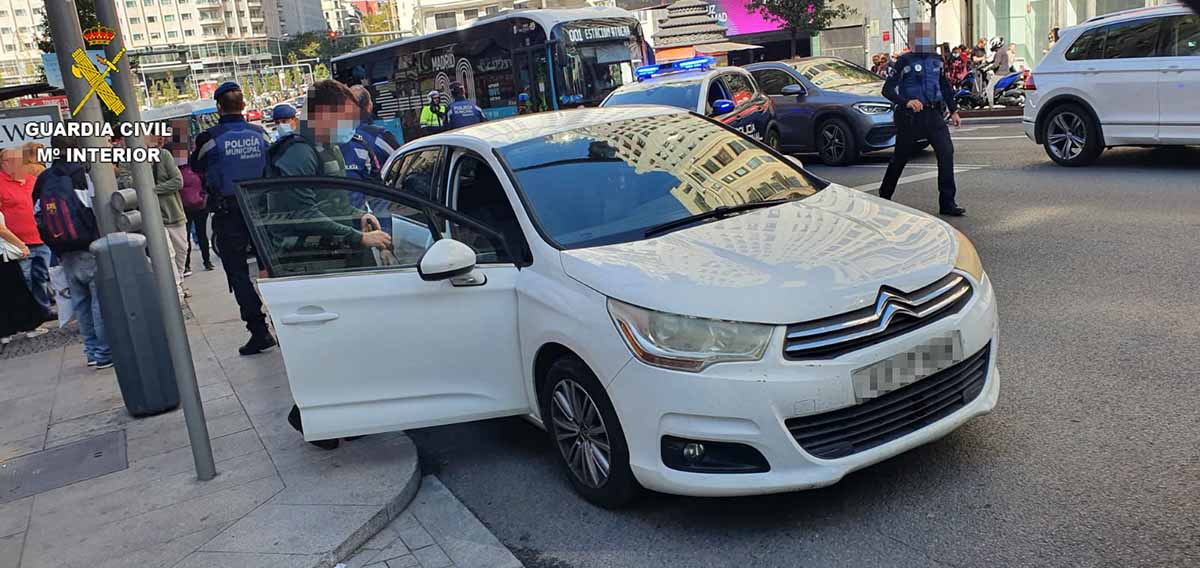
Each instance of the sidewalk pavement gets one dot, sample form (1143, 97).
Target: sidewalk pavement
(83, 484)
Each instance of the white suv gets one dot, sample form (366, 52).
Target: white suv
(1125, 79)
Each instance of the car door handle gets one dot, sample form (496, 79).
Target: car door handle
(300, 319)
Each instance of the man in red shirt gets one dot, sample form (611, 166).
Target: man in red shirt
(16, 201)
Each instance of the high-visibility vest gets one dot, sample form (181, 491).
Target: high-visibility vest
(429, 117)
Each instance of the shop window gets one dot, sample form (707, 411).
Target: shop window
(444, 20)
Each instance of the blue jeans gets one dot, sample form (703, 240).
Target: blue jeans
(36, 270)
(80, 267)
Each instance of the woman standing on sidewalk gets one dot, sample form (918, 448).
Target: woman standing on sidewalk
(19, 312)
(195, 206)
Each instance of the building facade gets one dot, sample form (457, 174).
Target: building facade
(20, 29)
(298, 16)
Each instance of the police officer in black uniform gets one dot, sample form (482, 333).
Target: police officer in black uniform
(917, 84)
(231, 151)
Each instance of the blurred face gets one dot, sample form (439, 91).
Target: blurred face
(920, 35)
(10, 162)
(327, 120)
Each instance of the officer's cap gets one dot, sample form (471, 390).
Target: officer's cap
(283, 111)
(433, 93)
(225, 88)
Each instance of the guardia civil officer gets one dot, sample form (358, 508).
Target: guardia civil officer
(461, 112)
(917, 84)
(231, 151)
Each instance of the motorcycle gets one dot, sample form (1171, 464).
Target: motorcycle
(972, 93)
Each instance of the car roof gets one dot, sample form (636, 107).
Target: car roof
(1136, 13)
(507, 131)
(790, 62)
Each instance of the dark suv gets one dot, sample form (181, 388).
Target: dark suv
(829, 106)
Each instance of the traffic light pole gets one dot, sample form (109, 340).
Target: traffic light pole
(160, 256)
(67, 37)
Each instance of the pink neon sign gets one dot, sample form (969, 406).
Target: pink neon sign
(737, 20)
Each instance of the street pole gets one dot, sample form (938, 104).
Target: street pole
(67, 36)
(160, 258)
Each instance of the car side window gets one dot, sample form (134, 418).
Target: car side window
(716, 92)
(1183, 36)
(417, 172)
(1125, 40)
(476, 192)
(773, 81)
(315, 229)
(740, 87)
(1089, 45)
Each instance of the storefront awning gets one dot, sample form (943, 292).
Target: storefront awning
(724, 47)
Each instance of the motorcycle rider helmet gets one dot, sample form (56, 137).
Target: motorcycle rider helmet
(996, 43)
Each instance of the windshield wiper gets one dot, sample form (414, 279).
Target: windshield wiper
(719, 212)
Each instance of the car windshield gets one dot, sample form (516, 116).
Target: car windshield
(685, 95)
(833, 73)
(629, 175)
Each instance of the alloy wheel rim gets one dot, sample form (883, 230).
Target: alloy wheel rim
(1067, 135)
(580, 433)
(834, 142)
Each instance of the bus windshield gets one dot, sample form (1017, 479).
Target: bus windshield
(594, 58)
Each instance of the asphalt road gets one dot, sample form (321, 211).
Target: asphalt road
(1092, 457)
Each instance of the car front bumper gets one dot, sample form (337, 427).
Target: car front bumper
(748, 403)
(875, 131)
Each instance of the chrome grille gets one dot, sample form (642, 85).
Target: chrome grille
(894, 313)
(850, 430)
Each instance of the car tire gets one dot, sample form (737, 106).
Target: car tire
(772, 140)
(568, 391)
(1076, 136)
(836, 143)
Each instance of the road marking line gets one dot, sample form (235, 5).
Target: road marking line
(989, 137)
(874, 187)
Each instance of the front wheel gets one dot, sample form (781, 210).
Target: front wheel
(584, 428)
(772, 139)
(836, 144)
(1071, 138)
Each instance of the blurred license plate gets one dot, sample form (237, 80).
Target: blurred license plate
(903, 369)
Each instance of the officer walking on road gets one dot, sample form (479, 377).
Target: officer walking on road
(462, 112)
(231, 151)
(917, 84)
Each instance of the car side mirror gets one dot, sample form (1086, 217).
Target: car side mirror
(446, 259)
(722, 106)
(794, 89)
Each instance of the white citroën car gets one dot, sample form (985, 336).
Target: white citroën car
(682, 308)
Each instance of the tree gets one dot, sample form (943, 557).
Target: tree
(801, 16)
(87, 19)
(320, 72)
(377, 22)
(170, 91)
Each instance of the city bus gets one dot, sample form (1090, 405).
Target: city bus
(519, 61)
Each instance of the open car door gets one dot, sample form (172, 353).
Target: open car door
(370, 346)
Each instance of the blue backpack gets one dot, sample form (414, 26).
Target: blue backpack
(64, 222)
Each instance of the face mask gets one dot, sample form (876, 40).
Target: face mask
(283, 129)
(344, 132)
(182, 161)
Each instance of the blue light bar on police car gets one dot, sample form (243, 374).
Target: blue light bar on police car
(648, 71)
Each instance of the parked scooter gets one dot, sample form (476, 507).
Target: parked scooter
(1010, 90)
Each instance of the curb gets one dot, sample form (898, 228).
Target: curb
(381, 519)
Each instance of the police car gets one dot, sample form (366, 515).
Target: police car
(728, 94)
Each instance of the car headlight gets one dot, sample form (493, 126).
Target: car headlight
(872, 108)
(687, 343)
(968, 259)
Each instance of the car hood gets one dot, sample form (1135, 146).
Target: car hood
(799, 261)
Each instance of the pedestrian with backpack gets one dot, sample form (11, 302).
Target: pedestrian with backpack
(195, 207)
(68, 226)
